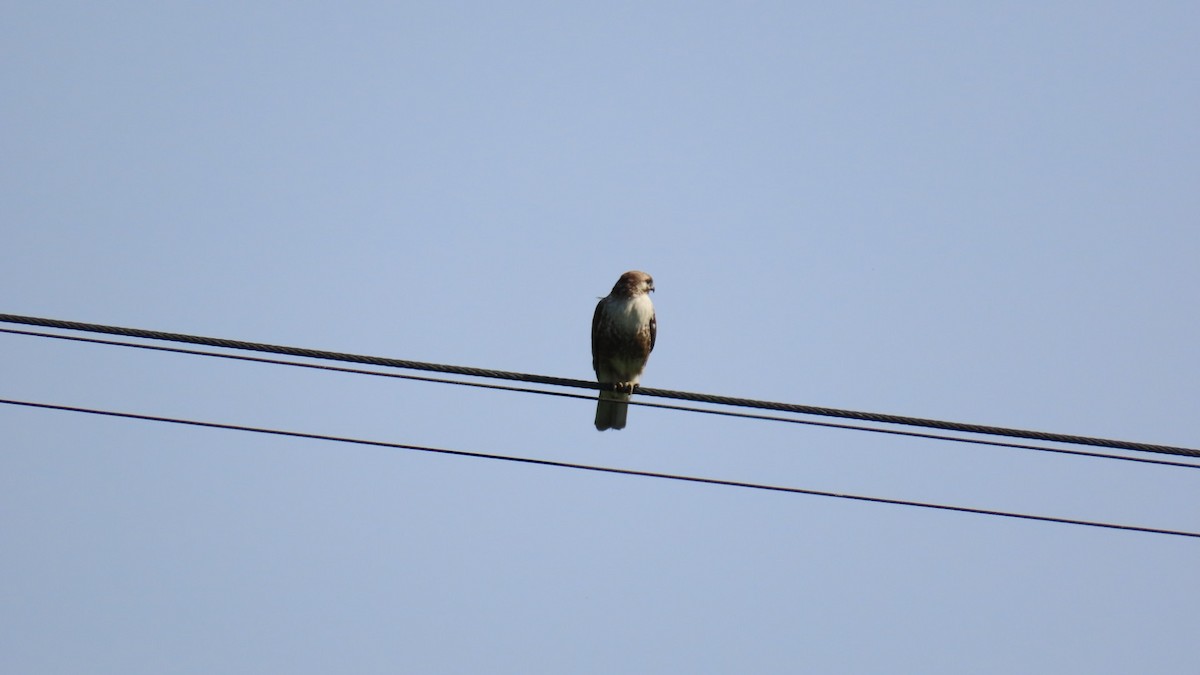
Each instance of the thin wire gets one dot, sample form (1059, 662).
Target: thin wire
(605, 469)
(588, 397)
(566, 382)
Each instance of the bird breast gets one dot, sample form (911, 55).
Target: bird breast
(631, 315)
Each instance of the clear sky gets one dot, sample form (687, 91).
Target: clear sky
(982, 212)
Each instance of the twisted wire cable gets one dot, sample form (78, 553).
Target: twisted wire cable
(880, 418)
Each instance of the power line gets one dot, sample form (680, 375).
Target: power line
(588, 397)
(604, 469)
(585, 384)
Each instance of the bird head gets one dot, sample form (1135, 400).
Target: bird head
(634, 282)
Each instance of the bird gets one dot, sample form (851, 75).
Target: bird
(623, 333)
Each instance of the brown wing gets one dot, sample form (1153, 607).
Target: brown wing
(598, 336)
(653, 333)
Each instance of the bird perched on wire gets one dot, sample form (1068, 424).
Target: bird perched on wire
(623, 333)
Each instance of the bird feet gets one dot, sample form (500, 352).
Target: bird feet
(625, 387)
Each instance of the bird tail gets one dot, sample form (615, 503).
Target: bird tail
(611, 410)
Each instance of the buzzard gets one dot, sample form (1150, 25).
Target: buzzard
(623, 332)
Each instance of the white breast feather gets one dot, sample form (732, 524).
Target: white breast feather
(628, 316)
(631, 315)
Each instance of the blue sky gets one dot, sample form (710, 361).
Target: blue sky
(983, 213)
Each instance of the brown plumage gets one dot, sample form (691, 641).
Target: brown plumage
(623, 334)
